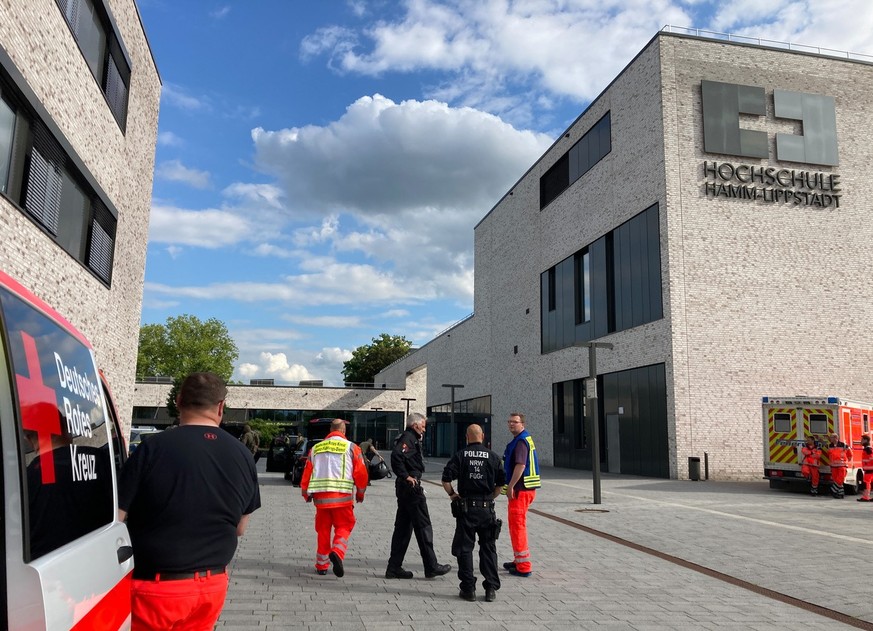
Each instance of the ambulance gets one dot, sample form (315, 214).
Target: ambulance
(789, 420)
(68, 560)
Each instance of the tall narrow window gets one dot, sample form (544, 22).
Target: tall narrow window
(582, 271)
(7, 135)
(552, 290)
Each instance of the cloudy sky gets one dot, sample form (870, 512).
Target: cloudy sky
(321, 164)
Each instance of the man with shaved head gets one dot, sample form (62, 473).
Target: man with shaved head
(480, 477)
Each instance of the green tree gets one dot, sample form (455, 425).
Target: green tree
(369, 359)
(183, 345)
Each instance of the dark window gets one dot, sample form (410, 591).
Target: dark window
(552, 289)
(63, 435)
(39, 176)
(588, 151)
(582, 285)
(7, 136)
(92, 27)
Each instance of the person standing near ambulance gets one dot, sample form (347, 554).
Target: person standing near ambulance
(187, 496)
(811, 456)
(839, 456)
(867, 466)
(334, 471)
(522, 471)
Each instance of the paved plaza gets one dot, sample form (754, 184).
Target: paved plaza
(640, 561)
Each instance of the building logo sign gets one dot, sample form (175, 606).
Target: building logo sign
(723, 105)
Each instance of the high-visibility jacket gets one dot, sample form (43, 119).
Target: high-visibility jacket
(839, 455)
(811, 455)
(867, 459)
(334, 469)
(531, 477)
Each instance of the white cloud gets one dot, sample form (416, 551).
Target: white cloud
(203, 228)
(177, 96)
(169, 139)
(327, 321)
(175, 171)
(267, 195)
(395, 313)
(334, 355)
(382, 157)
(220, 13)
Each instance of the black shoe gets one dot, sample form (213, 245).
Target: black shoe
(515, 572)
(490, 595)
(439, 570)
(337, 564)
(321, 572)
(509, 565)
(469, 596)
(397, 573)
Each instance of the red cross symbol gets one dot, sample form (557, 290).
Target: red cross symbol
(39, 409)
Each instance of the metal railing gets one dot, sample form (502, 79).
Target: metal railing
(769, 43)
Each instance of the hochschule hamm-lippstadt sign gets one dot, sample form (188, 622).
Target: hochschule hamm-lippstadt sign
(722, 105)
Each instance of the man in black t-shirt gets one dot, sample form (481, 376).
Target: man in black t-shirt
(187, 496)
(480, 477)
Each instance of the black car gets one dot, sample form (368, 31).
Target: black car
(298, 461)
(277, 453)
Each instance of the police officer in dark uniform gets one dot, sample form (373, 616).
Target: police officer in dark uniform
(480, 477)
(412, 514)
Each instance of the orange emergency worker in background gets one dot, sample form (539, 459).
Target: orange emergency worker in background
(811, 458)
(867, 466)
(839, 455)
(334, 472)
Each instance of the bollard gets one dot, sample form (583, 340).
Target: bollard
(694, 469)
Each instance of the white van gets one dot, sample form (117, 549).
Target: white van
(68, 558)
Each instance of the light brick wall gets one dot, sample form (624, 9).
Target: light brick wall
(36, 37)
(759, 299)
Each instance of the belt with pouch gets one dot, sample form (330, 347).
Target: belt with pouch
(477, 502)
(178, 576)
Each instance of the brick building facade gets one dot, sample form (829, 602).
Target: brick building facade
(708, 215)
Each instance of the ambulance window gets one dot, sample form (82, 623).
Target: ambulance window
(818, 424)
(782, 423)
(866, 424)
(63, 439)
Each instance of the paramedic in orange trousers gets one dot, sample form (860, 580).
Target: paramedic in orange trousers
(811, 458)
(867, 466)
(839, 455)
(522, 472)
(334, 472)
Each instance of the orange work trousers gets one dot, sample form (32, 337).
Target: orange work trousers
(334, 526)
(811, 473)
(517, 517)
(192, 604)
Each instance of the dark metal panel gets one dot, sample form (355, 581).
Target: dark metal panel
(654, 266)
(568, 310)
(637, 267)
(547, 343)
(599, 293)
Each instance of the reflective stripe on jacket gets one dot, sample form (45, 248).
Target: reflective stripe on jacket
(334, 469)
(531, 476)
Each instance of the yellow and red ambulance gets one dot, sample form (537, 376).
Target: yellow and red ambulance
(68, 560)
(789, 420)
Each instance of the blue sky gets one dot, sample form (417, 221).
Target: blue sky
(321, 164)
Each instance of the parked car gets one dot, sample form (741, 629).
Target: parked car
(298, 461)
(139, 434)
(277, 453)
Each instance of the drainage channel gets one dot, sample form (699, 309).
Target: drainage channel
(757, 589)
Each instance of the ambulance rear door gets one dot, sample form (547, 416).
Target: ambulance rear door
(68, 558)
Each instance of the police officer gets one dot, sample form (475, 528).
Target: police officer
(412, 514)
(480, 478)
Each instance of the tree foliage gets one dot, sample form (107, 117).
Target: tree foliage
(369, 359)
(183, 345)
